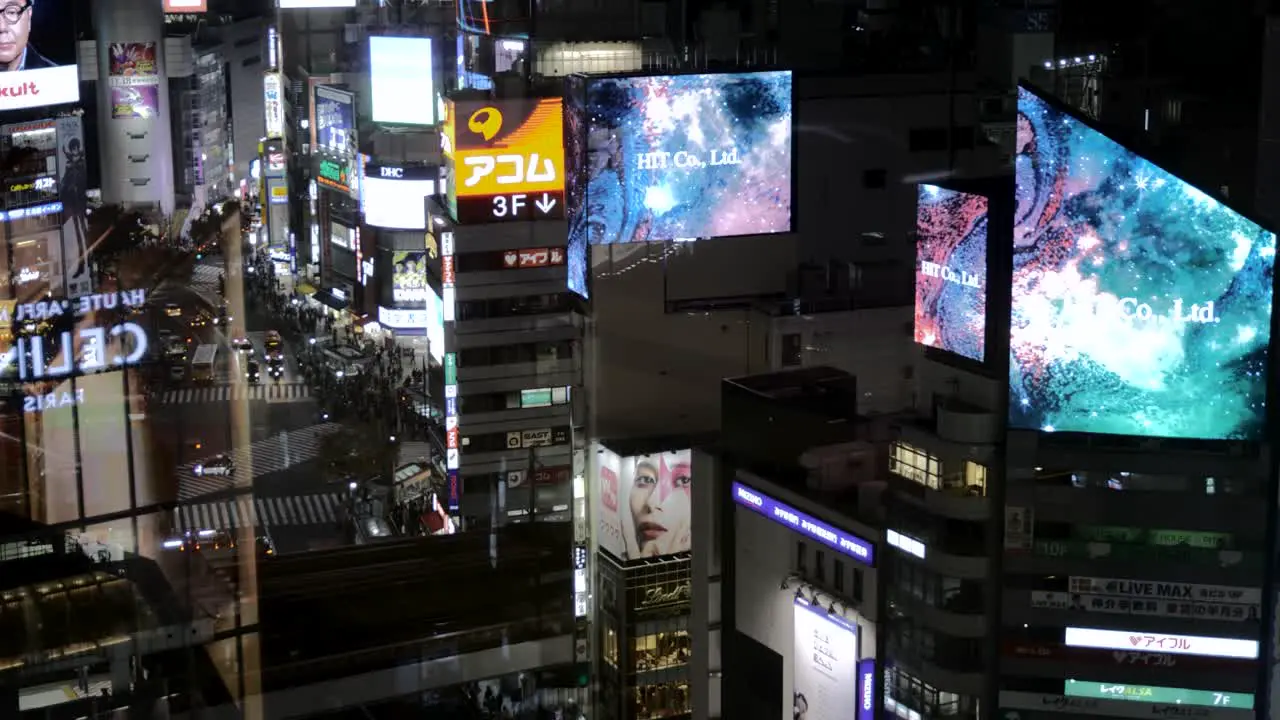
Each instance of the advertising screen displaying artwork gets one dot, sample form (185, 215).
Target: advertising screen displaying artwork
(1141, 305)
(40, 57)
(825, 679)
(334, 135)
(73, 194)
(506, 160)
(134, 79)
(685, 156)
(951, 271)
(273, 103)
(402, 81)
(644, 504)
(409, 278)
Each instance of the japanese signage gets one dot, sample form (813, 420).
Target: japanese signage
(834, 538)
(450, 365)
(134, 80)
(1107, 658)
(1153, 694)
(1166, 590)
(1012, 700)
(1019, 528)
(506, 160)
(273, 102)
(1137, 606)
(541, 437)
(532, 258)
(1162, 642)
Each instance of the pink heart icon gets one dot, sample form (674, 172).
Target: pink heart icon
(1135, 639)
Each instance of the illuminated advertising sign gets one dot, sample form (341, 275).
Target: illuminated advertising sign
(315, 4)
(644, 504)
(401, 80)
(273, 102)
(506, 160)
(334, 136)
(39, 56)
(951, 271)
(867, 689)
(834, 538)
(684, 157)
(825, 671)
(179, 6)
(532, 258)
(134, 79)
(1166, 590)
(1141, 305)
(39, 358)
(1011, 700)
(1161, 643)
(1050, 600)
(1106, 659)
(409, 284)
(395, 197)
(73, 190)
(1152, 694)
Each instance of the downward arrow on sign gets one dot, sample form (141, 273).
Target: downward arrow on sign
(545, 203)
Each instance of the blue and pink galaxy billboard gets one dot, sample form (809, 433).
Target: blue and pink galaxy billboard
(951, 271)
(678, 157)
(1141, 304)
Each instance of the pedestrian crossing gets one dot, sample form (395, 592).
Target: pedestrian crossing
(248, 511)
(269, 455)
(274, 392)
(204, 280)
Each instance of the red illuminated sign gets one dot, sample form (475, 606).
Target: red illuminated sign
(453, 439)
(447, 274)
(1141, 658)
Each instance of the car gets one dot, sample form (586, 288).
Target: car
(201, 541)
(275, 369)
(266, 546)
(217, 466)
(252, 373)
(200, 320)
(242, 344)
(173, 310)
(178, 372)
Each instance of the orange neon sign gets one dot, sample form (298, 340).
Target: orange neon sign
(507, 147)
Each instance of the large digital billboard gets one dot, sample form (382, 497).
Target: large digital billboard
(334, 137)
(395, 196)
(38, 54)
(315, 4)
(409, 285)
(506, 160)
(273, 103)
(1141, 305)
(575, 185)
(643, 502)
(685, 156)
(951, 271)
(825, 664)
(401, 80)
(134, 80)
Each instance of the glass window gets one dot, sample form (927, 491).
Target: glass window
(802, 550)
(661, 650)
(662, 700)
(820, 566)
(975, 478)
(611, 647)
(839, 573)
(914, 464)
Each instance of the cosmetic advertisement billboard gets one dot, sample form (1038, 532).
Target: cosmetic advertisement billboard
(73, 193)
(825, 664)
(134, 80)
(951, 271)
(1141, 305)
(394, 196)
(675, 157)
(402, 80)
(506, 160)
(38, 53)
(273, 103)
(334, 137)
(643, 504)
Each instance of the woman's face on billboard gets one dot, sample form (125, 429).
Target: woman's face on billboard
(660, 508)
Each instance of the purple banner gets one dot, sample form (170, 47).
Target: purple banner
(134, 102)
(838, 540)
(867, 689)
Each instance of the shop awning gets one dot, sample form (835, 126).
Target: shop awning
(324, 297)
(305, 288)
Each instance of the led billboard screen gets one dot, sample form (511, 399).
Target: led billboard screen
(409, 285)
(39, 55)
(575, 185)
(1155, 694)
(506, 160)
(134, 80)
(1141, 305)
(334, 135)
(395, 197)
(644, 506)
(314, 4)
(825, 670)
(685, 156)
(401, 80)
(951, 271)
(1161, 643)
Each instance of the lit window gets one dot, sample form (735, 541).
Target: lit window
(975, 478)
(913, 464)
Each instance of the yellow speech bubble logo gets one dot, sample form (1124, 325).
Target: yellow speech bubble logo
(486, 122)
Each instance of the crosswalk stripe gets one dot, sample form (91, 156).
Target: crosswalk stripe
(268, 455)
(274, 392)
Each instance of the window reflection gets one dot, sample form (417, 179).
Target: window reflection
(664, 700)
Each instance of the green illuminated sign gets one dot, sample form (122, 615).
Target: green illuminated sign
(335, 172)
(450, 369)
(1158, 695)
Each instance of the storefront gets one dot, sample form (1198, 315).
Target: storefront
(644, 638)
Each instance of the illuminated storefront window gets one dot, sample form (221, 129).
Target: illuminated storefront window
(916, 465)
(661, 650)
(665, 700)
